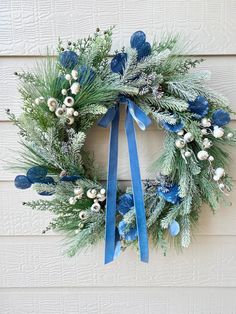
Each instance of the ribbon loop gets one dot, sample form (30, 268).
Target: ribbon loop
(133, 113)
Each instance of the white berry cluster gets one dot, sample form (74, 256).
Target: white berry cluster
(66, 109)
(97, 196)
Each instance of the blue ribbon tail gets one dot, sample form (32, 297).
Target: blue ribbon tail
(112, 116)
(137, 187)
(133, 113)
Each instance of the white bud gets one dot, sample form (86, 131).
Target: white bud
(83, 215)
(211, 158)
(216, 178)
(59, 112)
(206, 123)
(230, 135)
(187, 154)
(100, 197)
(96, 207)
(221, 186)
(219, 172)
(78, 190)
(207, 143)
(102, 191)
(204, 131)
(70, 120)
(70, 111)
(64, 91)
(75, 87)
(179, 143)
(68, 77)
(91, 193)
(37, 101)
(74, 74)
(69, 101)
(202, 155)
(180, 133)
(218, 132)
(75, 113)
(72, 201)
(188, 137)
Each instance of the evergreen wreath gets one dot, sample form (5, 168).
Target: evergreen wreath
(65, 96)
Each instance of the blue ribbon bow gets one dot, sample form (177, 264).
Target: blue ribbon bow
(133, 112)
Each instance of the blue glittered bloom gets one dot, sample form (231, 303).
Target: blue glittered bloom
(174, 228)
(170, 194)
(220, 117)
(129, 234)
(199, 106)
(72, 178)
(47, 180)
(137, 39)
(68, 59)
(138, 42)
(86, 75)
(144, 51)
(125, 202)
(118, 62)
(36, 174)
(22, 182)
(172, 127)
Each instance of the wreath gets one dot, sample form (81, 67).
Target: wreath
(65, 96)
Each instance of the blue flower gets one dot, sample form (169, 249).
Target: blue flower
(129, 234)
(199, 106)
(22, 182)
(68, 59)
(172, 127)
(220, 117)
(174, 228)
(36, 174)
(170, 194)
(86, 75)
(118, 62)
(144, 51)
(125, 202)
(137, 39)
(47, 180)
(72, 178)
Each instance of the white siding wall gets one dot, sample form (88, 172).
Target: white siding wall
(34, 275)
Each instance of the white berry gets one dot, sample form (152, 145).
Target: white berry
(202, 155)
(64, 91)
(179, 143)
(206, 123)
(75, 87)
(181, 132)
(68, 77)
(74, 74)
(69, 101)
(218, 132)
(188, 137)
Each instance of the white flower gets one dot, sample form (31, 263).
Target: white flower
(52, 101)
(74, 74)
(202, 155)
(75, 87)
(69, 101)
(59, 112)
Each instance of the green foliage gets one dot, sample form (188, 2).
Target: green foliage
(161, 84)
